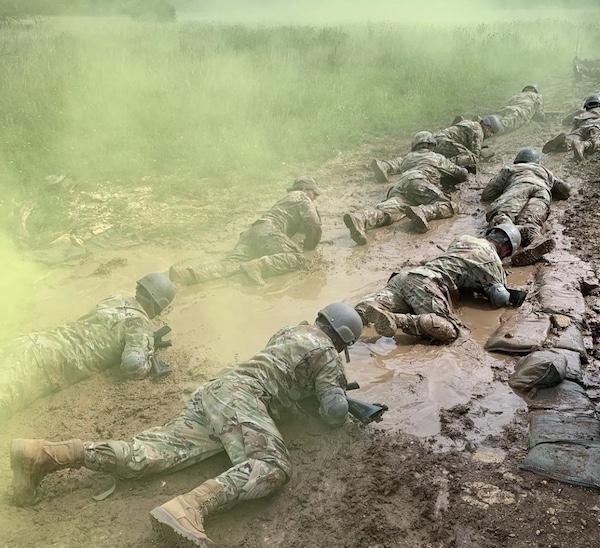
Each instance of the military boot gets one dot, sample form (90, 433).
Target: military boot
(31, 460)
(557, 144)
(357, 225)
(421, 215)
(579, 149)
(253, 271)
(380, 169)
(180, 521)
(534, 251)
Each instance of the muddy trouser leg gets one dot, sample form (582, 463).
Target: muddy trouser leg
(456, 152)
(394, 165)
(423, 193)
(433, 315)
(386, 299)
(182, 442)
(507, 207)
(530, 220)
(261, 463)
(276, 254)
(392, 209)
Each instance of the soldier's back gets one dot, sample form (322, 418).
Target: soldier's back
(288, 213)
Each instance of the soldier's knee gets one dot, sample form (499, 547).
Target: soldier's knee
(437, 328)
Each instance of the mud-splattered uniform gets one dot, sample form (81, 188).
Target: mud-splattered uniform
(267, 243)
(521, 194)
(586, 127)
(32, 366)
(233, 413)
(469, 262)
(521, 109)
(461, 143)
(422, 174)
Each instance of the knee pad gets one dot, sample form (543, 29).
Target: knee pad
(437, 328)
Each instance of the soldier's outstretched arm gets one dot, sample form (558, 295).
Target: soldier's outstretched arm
(333, 405)
(495, 187)
(136, 359)
(312, 228)
(457, 173)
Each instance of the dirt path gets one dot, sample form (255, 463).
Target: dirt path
(444, 470)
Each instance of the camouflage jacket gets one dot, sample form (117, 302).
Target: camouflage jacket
(582, 117)
(294, 214)
(297, 363)
(467, 133)
(511, 179)
(529, 103)
(469, 262)
(429, 165)
(117, 331)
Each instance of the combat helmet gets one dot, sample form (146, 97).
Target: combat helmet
(422, 139)
(306, 182)
(344, 320)
(528, 155)
(492, 121)
(531, 87)
(159, 288)
(510, 231)
(593, 101)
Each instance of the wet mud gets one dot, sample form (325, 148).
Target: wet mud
(440, 470)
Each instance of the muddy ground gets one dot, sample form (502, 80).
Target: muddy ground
(441, 470)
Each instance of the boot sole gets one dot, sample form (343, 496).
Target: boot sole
(534, 254)
(172, 533)
(23, 490)
(418, 223)
(354, 232)
(385, 325)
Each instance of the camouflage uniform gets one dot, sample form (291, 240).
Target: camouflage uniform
(461, 143)
(521, 194)
(422, 174)
(33, 366)
(521, 109)
(415, 294)
(233, 413)
(267, 245)
(584, 135)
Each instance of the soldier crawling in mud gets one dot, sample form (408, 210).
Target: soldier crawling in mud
(422, 174)
(118, 330)
(232, 413)
(267, 247)
(521, 194)
(418, 300)
(461, 143)
(585, 133)
(522, 109)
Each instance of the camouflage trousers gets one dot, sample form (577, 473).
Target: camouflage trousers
(456, 152)
(271, 251)
(226, 415)
(417, 192)
(408, 292)
(586, 133)
(513, 118)
(524, 205)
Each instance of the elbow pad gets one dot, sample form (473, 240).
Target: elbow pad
(334, 407)
(498, 295)
(135, 363)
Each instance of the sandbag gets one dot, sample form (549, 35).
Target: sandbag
(539, 369)
(521, 334)
(566, 396)
(569, 339)
(571, 463)
(574, 372)
(560, 293)
(549, 426)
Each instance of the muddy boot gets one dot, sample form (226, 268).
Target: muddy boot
(372, 314)
(557, 144)
(380, 169)
(534, 251)
(579, 150)
(421, 215)
(360, 221)
(431, 326)
(31, 460)
(180, 521)
(253, 272)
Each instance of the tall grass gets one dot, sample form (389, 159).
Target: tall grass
(203, 104)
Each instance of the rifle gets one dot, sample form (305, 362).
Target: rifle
(160, 368)
(365, 413)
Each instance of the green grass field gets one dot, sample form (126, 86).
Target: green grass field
(205, 104)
